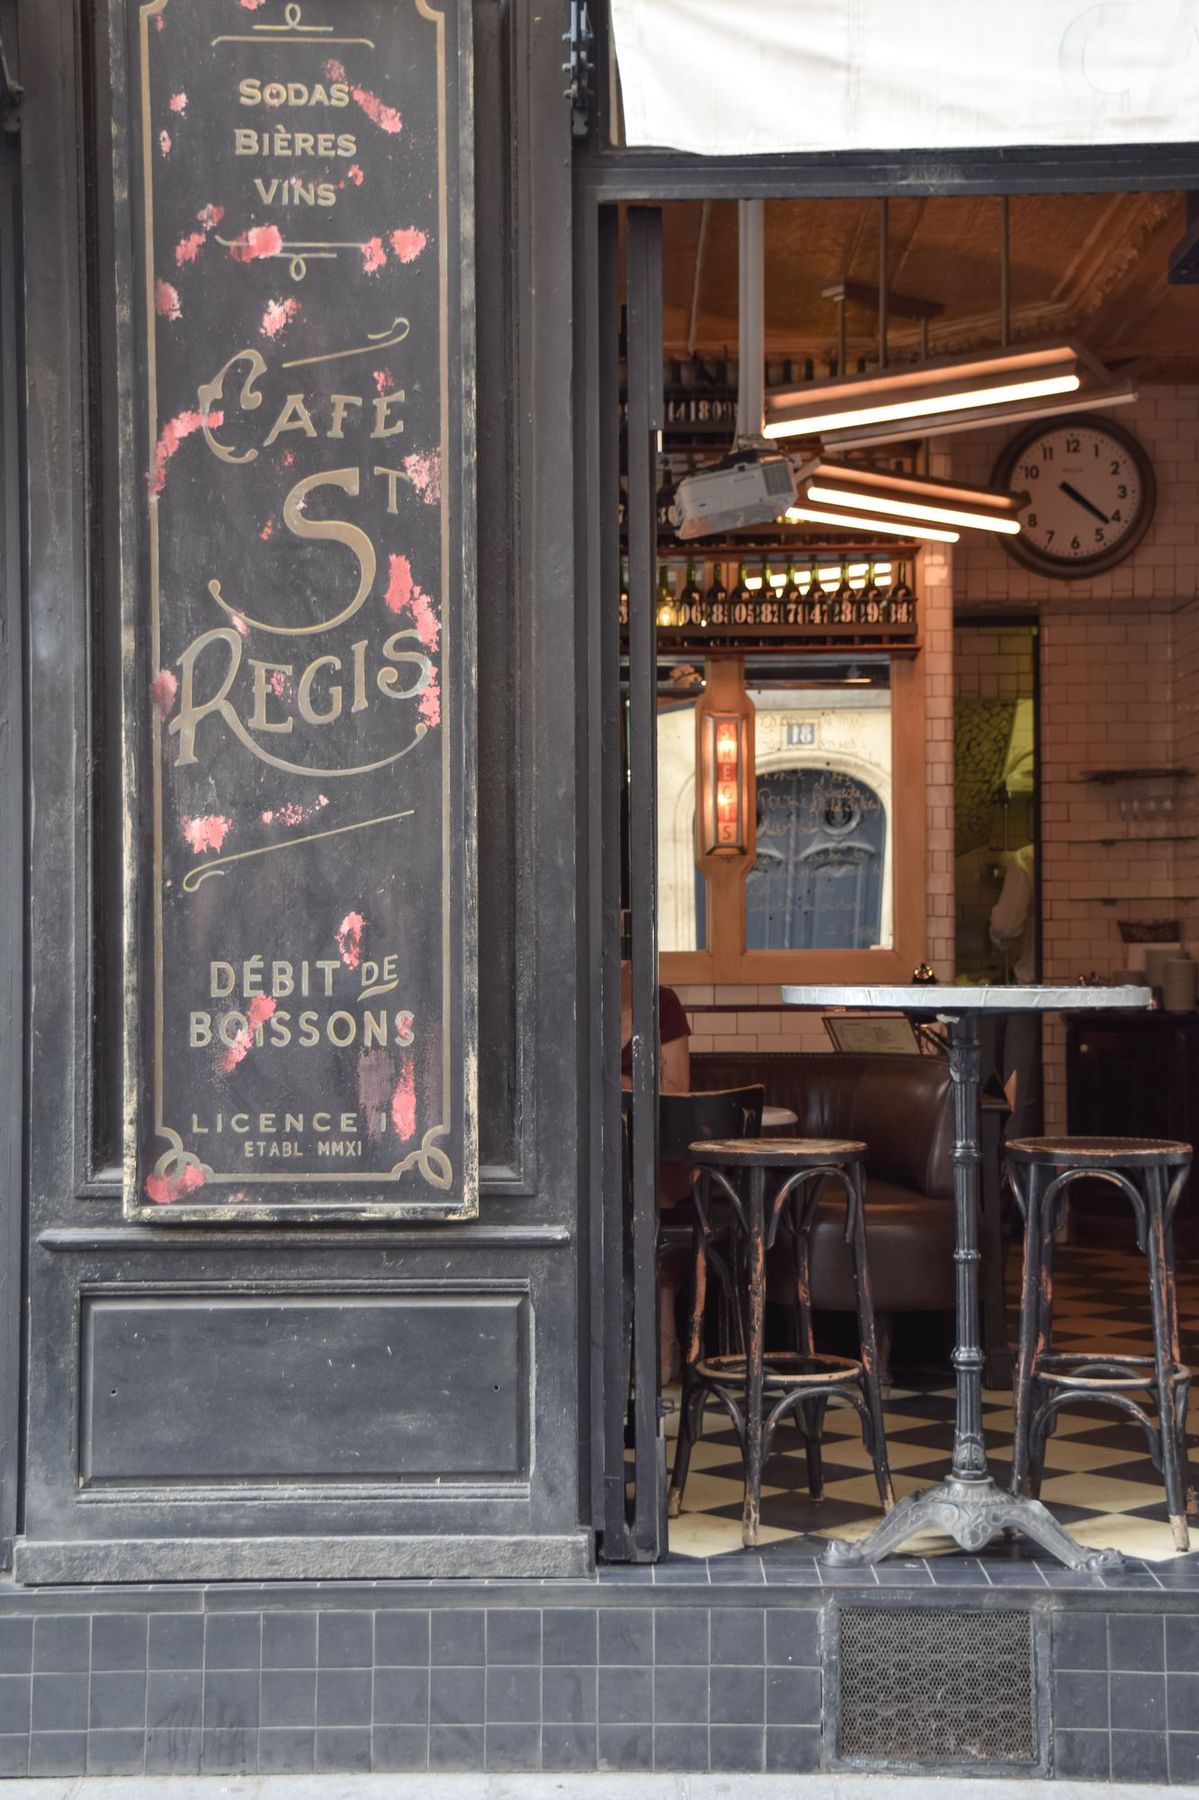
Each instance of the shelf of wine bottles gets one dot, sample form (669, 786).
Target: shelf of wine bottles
(849, 600)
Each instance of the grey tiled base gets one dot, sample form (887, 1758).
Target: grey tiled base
(501, 1678)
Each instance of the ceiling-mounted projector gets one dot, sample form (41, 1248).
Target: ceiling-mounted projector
(745, 489)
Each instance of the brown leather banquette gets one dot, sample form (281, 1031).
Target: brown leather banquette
(902, 1108)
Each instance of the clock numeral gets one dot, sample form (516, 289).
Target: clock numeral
(1121, 492)
(1117, 517)
(1075, 543)
(1046, 452)
(1115, 466)
(1031, 472)
(1031, 521)
(1049, 536)
(1073, 446)
(1099, 537)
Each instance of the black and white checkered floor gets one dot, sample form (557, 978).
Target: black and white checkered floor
(1099, 1479)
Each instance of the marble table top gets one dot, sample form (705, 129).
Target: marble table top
(950, 999)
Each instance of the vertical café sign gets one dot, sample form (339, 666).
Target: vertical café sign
(299, 647)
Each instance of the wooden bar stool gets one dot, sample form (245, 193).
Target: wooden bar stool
(1151, 1173)
(764, 1182)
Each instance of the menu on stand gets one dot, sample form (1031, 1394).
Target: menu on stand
(299, 642)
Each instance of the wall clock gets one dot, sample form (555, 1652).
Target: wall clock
(1091, 495)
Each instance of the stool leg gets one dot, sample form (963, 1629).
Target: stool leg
(1028, 1190)
(1166, 1355)
(855, 1199)
(1040, 1427)
(689, 1424)
(811, 1416)
(754, 1350)
(1182, 1374)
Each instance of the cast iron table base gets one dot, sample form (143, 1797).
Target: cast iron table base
(968, 1506)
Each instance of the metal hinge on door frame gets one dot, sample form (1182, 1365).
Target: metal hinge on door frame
(579, 67)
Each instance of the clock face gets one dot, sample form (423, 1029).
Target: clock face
(1090, 494)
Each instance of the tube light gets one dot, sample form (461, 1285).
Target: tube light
(942, 394)
(912, 509)
(818, 515)
(945, 424)
(809, 425)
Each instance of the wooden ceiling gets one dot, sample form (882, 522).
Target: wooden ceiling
(1091, 266)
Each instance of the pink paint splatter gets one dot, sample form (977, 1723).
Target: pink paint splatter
(423, 469)
(385, 117)
(257, 1013)
(178, 103)
(403, 595)
(206, 832)
(403, 1101)
(240, 623)
(163, 689)
(293, 813)
(430, 702)
(170, 438)
(163, 1189)
(259, 241)
(278, 683)
(384, 379)
(164, 142)
(354, 174)
(278, 314)
(251, 5)
(267, 530)
(349, 939)
(188, 248)
(166, 301)
(335, 71)
(373, 255)
(289, 457)
(408, 244)
(159, 22)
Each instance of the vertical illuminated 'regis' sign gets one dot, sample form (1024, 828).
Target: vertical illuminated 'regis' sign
(299, 643)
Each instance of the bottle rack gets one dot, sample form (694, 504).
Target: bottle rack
(851, 600)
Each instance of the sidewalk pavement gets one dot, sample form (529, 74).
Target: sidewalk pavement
(573, 1787)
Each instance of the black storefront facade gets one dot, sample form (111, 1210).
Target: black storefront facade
(410, 1392)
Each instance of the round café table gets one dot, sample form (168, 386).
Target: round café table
(968, 1505)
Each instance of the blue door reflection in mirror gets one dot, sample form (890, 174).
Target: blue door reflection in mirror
(817, 880)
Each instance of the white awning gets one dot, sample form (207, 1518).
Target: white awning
(754, 77)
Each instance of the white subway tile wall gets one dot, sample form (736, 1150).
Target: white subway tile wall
(1119, 677)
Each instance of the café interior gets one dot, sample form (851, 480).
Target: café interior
(929, 721)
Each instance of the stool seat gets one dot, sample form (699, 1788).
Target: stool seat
(777, 1152)
(1100, 1153)
(1151, 1389)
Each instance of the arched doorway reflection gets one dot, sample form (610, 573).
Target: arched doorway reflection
(817, 879)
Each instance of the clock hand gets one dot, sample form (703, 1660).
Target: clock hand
(1082, 500)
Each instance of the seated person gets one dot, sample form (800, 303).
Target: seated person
(674, 1034)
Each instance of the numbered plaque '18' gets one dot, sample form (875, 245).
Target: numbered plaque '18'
(299, 646)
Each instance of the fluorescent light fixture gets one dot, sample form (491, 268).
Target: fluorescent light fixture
(942, 395)
(1087, 399)
(825, 515)
(918, 498)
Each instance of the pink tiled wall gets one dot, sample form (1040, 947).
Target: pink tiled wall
(1119, 675)
(735, 1029)
(1119, 663)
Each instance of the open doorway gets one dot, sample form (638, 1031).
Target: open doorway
(847, 714)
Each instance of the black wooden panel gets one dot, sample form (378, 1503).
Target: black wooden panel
(299, 683)
(221, 1387)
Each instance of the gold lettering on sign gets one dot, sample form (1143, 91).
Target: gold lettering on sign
(331, 531)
